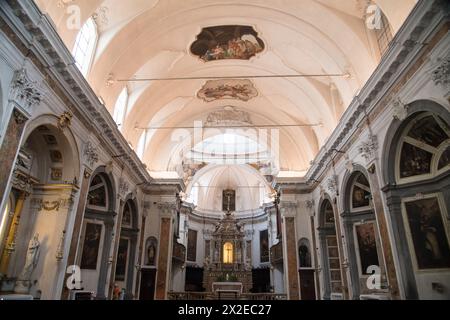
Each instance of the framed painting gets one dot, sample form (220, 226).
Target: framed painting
(264, 245)
(366, 246)
(192, 245)
(427, 234)
(91, 246)
(122, 257)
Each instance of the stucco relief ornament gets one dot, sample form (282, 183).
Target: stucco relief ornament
(398, 110)
(100, 17)
(123, 187)
(368, 148)
(332, 184)
(228, 116)
(441, 75)
(24, 91)
(90, 153)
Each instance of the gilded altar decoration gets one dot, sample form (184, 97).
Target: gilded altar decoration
(241, 89)
(64, 120)
(227, 42)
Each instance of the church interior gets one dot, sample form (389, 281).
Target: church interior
(224, 149)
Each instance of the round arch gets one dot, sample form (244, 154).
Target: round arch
(419, 198)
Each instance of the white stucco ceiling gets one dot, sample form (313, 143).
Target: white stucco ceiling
(152, 39)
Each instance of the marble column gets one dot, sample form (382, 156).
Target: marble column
(290, 252)
(9, 149)
(165, 248)
(384, 233)
(369, 151)
(84, 189)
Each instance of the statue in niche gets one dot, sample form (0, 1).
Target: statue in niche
(32, 258)
(23, 283)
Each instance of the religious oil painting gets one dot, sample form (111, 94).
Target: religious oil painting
(150, 251)
(192, 245)
(91, 244)
(360, 192)
(122, 255)
(428, 233)
(264, 245)
(241, 89)
(367, 246)
(227, 42)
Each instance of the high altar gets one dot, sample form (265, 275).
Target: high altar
(226, 262)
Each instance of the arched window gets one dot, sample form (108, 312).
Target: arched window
(228, 252)
(83, 50)
(127, 218)
(97, 197)
(383, 32)
(417, 170)
(360, 191)
(120, 108)
(424, 149)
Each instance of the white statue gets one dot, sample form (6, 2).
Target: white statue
(32, 258)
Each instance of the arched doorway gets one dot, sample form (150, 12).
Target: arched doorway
(417, 169)
(126, 252)
(96, 234)
(331, 271)
(361, 232)
(32, 233)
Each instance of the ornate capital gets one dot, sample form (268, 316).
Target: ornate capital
(123, 188)
(166, 208)
(332, 184)
(90, 153)
(25, 92)
(310, 207)
(441, 75)
(368, 148)
(398, 109)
